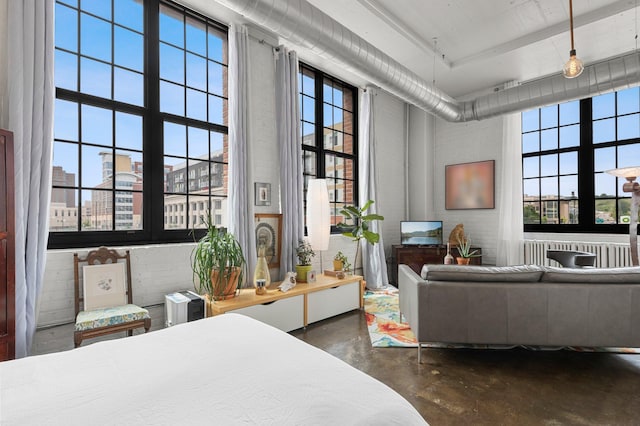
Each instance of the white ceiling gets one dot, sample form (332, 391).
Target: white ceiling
(483, 44)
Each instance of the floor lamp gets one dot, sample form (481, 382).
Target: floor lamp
(631, 173)
(318, 218)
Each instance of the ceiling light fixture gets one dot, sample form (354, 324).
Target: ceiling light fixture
(574, 66)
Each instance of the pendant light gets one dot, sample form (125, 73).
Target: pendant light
(574, 66)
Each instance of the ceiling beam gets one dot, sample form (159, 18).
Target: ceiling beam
(403, 29)
(545, 33)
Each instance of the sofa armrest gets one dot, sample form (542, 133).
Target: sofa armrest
(408, 285)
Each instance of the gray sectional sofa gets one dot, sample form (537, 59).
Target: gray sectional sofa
(522, 305)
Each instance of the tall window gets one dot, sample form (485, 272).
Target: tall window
(140, 149)
(566, 150)
(328, 111)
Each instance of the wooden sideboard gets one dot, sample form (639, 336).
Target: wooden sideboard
(304, 304)
(417, 256)
(7, 249)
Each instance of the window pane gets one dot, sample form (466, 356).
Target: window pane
(604, 159)
(629, 127)
(327, 114)
(309, 161)
(549, 187)
(95, 78)
(63, 214)
(629, 155)
(549, 116)
(172, 98)
(175, 142)
(171, 26)
(549, 139)
(218, 142)
(66, 28)
(216, 42)
(66, 70)
(100, 8)
(568, 186)
(216, 107)
(605, 211)
(308, 134)
(530, 167)
(216, 78)
(347, 143)
(97, 125)
(196, 104)
(129, 13)
(568, 163)
(308, 83)
(128, 131)
(196, 36)
(65, 165)
(604, 130)
(604, 106)
(66, 120)
(570, 113)
(128, 87)
(531, 188)
(530, 120)
(628, 101)
(549, 165)
(569, 211)
(531, 212)
(96, 167)
(129, 49)
(570, 136)
(308, 109)
(605, 185)
(95, 37)
(530, 142)
(196, 72)
(171, 63)
(198, 143)
(327, 92)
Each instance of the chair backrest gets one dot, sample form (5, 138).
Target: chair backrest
(101, 256)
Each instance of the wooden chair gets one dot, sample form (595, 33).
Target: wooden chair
(107, 317)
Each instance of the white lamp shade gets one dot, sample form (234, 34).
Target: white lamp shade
(318, 217)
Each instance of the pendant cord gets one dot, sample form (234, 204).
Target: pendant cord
(571, 22)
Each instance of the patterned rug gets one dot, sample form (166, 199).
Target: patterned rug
(386, 330)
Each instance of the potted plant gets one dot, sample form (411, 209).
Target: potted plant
(361, 227)
(340, 261)
(465, 252)
(218, 263)
(304, 253)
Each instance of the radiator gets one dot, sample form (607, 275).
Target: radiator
(608, 255)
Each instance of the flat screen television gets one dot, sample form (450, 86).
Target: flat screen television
(421, 233)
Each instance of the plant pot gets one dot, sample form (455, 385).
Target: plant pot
(337, 265)
(301, 271)
(228, 284)
(463, 260)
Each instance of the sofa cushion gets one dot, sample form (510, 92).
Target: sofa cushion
(628, 275)
(520, 273)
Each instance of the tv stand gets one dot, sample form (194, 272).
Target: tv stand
(417, 256)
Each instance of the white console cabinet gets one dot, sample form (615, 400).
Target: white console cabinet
(300, 306)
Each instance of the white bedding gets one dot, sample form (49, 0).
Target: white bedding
(229, 369)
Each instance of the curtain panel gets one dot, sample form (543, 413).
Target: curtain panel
(241, 221)
(28, 112)
(288, 131)
(373, 258)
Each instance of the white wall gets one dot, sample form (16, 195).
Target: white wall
(421, 161)
(463, 143)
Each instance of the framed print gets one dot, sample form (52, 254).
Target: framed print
(103, 286)
(263, 194)
(268, 229)
(470, 185)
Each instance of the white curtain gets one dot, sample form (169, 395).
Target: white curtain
(288, 132)
(510, 250)
(241, 220)
(28, 112)
(373, 260)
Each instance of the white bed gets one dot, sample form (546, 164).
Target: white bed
(229, 369)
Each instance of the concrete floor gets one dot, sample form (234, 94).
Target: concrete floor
(470, 387)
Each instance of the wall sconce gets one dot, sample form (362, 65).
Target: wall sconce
(318, 217)
(631, 173)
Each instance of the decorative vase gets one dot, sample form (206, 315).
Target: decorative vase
(463, 260)
(261, 276)
(448, 259)
(337, 265)
(301, 271)
(225, 287)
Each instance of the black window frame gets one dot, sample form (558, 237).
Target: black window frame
(153, 216)
(318, 148)
(586, 181)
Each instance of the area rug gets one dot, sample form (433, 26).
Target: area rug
(386, 330)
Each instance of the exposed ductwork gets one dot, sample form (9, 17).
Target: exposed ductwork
(303, 24)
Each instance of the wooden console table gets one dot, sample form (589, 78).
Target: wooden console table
(304, 304)
(417, 256)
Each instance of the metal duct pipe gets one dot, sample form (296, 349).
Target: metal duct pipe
(305, 25)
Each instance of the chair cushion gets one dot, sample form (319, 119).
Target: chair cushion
(87, 320)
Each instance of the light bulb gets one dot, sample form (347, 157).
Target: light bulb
(573, 67)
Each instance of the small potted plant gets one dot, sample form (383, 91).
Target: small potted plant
(340, 261)
(304, 253)
(218, 263)
(465, 252)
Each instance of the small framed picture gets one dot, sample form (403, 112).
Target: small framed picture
(311, 276)
(263, 194)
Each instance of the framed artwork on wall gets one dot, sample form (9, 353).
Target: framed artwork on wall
(470, 185)
(268, 229)
(263, 194)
